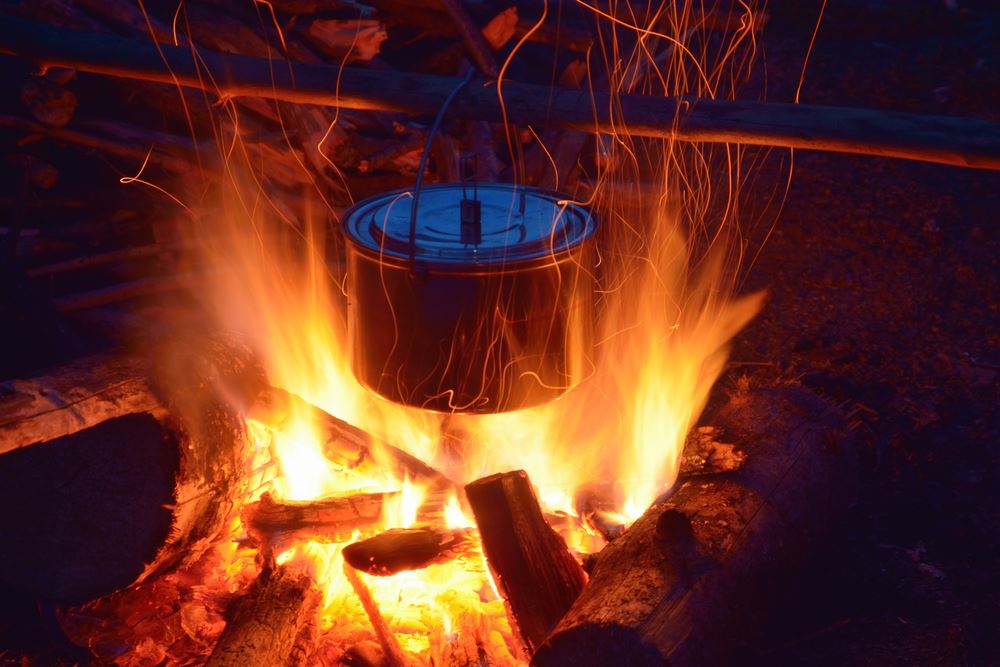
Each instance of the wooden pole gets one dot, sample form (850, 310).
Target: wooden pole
(964, 142)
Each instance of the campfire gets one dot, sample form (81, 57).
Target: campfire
(468, 433)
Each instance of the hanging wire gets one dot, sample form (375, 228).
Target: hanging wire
(423, 164)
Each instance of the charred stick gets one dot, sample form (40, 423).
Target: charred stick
(267, 621)
(960, 141)
(532, 567)
(402, 549)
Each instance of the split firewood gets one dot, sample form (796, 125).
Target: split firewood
(532, 567)
(713, 555)
(267, 621)
(401, 549)
(278, 525)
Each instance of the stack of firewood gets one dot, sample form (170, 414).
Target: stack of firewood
(685, 583)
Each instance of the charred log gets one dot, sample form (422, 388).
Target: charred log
(267, 621)
(532, 567)
(691, 577)
(401, 549)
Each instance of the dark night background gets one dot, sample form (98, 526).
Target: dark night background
(884, 295)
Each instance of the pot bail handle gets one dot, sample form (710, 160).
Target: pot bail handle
(423, 164)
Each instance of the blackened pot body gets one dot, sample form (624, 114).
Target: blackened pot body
(505, 327)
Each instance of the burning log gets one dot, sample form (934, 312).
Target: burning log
(391, 651)
(267, 621)
(401, 549)
(532, 567)
(129, 472)
(349, 446)
(689, 579)
(959, 141)
(277, 526)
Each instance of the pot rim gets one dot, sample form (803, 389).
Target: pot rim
(487, 265)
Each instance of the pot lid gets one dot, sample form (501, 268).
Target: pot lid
(514, 223)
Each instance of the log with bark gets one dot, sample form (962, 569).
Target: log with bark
(266, 624)
(692, 577)
(119, 471)
(959, 141)
(531, 565)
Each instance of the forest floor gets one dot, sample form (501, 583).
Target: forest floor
(884, 294)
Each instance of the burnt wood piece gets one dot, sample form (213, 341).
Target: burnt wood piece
(959, 141)
(597, 510)
(279, 525)
(400, 549)
(692, 577)
(532, 567)
(266, 622)
(130, 471)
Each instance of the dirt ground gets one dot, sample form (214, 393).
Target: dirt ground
(885, 296)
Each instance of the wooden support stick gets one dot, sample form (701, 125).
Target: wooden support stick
(958, 141)
(694, 575)
(401, 549)
(267, 620)
(393, 654)
(531, 565)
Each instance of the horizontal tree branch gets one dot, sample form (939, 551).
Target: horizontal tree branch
(957, 141)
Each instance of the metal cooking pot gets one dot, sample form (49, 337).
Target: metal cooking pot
(482, 302)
